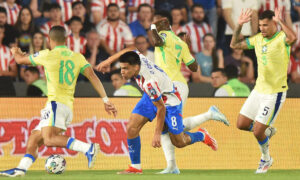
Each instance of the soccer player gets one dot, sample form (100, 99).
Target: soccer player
(272, 48)
(62, 68)
(160, 99)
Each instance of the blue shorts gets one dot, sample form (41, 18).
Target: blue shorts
(173, 119)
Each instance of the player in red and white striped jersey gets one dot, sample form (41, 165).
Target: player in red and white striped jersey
(114, 33)
(66, 8)
(55, 19)
(197, 29)
(284, 5)
(133, 8)
(99, 9)
(12, 10)
(76, 42)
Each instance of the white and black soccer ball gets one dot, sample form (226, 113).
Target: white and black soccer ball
(55, 164)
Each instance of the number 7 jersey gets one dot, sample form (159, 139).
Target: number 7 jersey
(170, 56)
(62, 67)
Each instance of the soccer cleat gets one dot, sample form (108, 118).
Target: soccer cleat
(131, 170)
(264, 166)
(15, 172)
(169, 171)
(92, 154)
(208, 140)
(217, 115)
(270, 131)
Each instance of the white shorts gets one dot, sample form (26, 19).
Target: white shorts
(183, 90)
(55, 114)
(263, 108)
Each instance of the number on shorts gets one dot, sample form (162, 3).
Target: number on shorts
(266, 111)
(174, 122)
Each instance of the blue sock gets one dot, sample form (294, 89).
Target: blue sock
(134, 148)
(263, 141)
(196, 136)
(251, 127)
(70, 142)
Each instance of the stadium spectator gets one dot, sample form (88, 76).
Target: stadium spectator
(210, 9)
(25, 28)
(197, 28)
(114, 33)
(142, 45)
(55, 20)
(66, 8)
(10, 34)
(240, 89)
(177, 20)
(141, 26)
(75, 41)
(36, 85)
(37, 44)
(209, 58)
(12, 9)
(123, 88)
(296, 28)
(219, 80)
(231, 11)
(133, 6)
(243, 63)
(8, 68)
(168, 5)
(295, 66)
(99, 9)
(79, 9)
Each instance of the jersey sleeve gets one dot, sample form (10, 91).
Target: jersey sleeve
(186, 55)
(251, 42)
(83, 63)
(151, 88)
(39, 58)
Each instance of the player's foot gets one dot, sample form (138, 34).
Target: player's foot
(92, 154)
(131, 170)
(169, 171)
(217, 115)
(15, 172)
(270, 131)
(264, 166)
(208, 140)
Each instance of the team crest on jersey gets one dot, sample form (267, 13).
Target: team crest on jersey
(36, 54)
(264, 49)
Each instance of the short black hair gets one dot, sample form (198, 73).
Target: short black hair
(267, 14)
(131, 58)
(144, 5)
(77, 3)
(231, 71)
(33, 70)
(222, 70)
(74, 18)
(112, 5)
(165, 14)
(54, 6)
(3, 10)
(196, 6)
(117, 72)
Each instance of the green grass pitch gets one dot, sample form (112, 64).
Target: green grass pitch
(150, 175)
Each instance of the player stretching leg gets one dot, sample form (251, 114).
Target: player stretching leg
(272, 49)
(62, 68)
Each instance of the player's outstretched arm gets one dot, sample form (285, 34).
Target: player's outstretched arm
(109, 107)
(236, 42)
(161, 113)
(157, 39)
(104, 66)
(19, 56)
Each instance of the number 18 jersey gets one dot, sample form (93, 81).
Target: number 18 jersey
(62, 67)
(171, 54)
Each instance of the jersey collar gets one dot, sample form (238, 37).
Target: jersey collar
(62, 46)
(266, 39)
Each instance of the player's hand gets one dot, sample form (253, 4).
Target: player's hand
(156, 141)
(277, 17)
(245, 16)
(104, 66)
(110, 108)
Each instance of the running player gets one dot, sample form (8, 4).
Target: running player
(272, 48)
(62, 67)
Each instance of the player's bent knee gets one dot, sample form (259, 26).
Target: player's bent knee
(132, 131)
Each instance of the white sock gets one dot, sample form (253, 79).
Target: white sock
(25, 163)
(194, 121)
(169, 150)
(136, 166)
(264, 148)
(77, 145)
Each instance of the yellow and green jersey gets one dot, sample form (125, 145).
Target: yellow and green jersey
(62, 67)
(171, 54)
(273, 57)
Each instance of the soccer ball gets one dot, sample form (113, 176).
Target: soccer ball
(55, 164)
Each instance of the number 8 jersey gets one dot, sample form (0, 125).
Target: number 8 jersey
(170, 56)
(62, 67)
